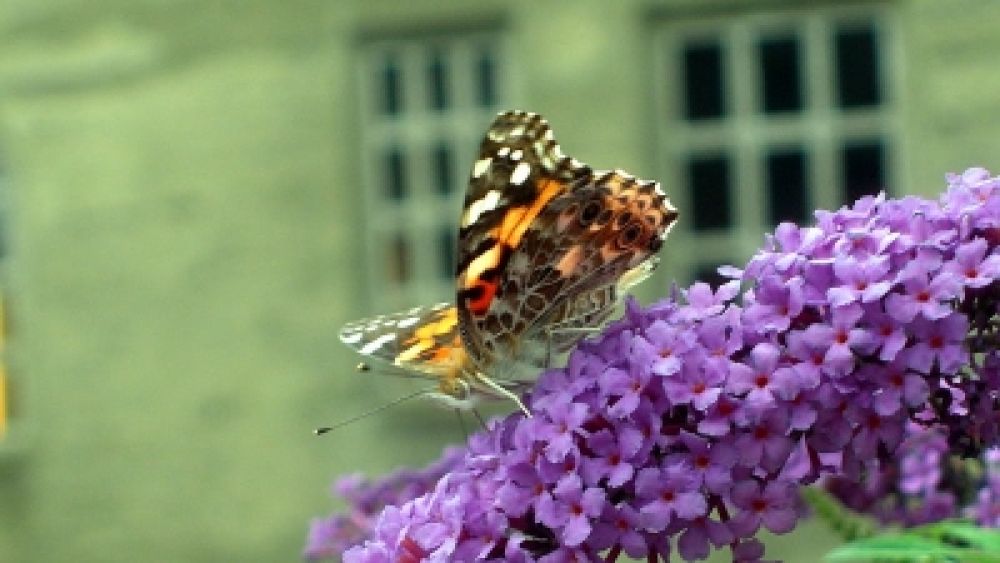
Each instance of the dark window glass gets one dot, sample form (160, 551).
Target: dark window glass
(709, 274)
(857, 68)
(863, 168)
(786, 186)
(708, 180)
(442, 164)
(395, 171)
(446, 243)
(781, 79)
(392, 88)
(398, 260)
(703, 89)
(437, 73)
(486, 78)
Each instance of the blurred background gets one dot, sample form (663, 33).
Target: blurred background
(195, 196)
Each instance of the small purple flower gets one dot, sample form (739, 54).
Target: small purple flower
(565, 424)
(671, 345)
(972, 266)
(701, 535)
(772, 505)
(664, 494)
(863, 280)
(570, 509)
(928, 297)
(622, 388)
(698, 385)
(886, 333)
(760, 381)
(765, 443)
(613, 456)
(778, 303)
(938, 341)
(620, 525)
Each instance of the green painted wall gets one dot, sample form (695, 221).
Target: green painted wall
(184, 245)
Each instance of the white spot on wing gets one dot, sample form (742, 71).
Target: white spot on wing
(476, 209)
(520, 173)
(350, 337)
(517, 154)
(374, 345)
(406, 323)
(481, 166)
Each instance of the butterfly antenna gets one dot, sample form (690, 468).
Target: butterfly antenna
(325, 429)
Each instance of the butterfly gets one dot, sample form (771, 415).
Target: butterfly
(547, 247)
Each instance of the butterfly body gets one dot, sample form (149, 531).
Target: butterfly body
(546, 249)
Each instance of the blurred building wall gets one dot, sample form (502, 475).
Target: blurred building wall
(184, 238)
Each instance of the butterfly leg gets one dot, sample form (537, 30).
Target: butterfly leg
(504, 392)
(479, 417)
(461, 424)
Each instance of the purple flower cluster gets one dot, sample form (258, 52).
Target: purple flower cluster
(690, 425)
(329, 537)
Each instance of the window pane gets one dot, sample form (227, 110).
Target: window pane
(395, 175)
(703, 90)
(863, 166)
(486, 78)
(446, 243)
(857, 68)
(780, 77)
(397, 260)
(708, 180)
(442, 165)
(391, 86)
(437, 73)
(786, 186)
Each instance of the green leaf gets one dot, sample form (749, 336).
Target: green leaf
(957, 542)
(962, 533)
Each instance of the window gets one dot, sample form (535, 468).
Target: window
(426, 102)
(765, 116)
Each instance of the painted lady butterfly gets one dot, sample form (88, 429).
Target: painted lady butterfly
(546, 248)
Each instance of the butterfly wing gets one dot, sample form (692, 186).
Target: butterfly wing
(545, 240)
(421, 341)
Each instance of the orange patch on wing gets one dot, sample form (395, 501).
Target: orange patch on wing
(508, 234)
(517, 220)
(426, 336)
(570, 260)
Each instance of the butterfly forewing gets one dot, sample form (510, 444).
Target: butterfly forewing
(424, 339)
